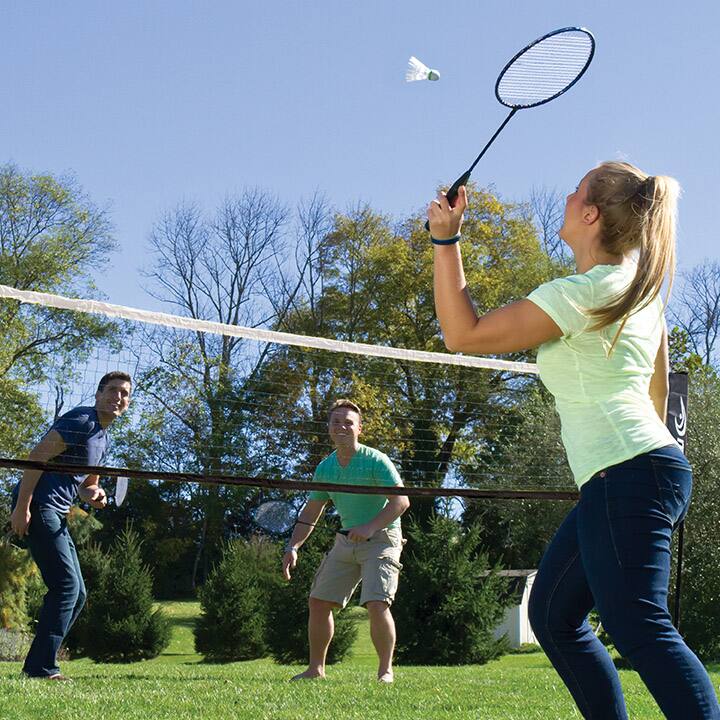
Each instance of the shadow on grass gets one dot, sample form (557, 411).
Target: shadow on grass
(186, 622)
(222, 661)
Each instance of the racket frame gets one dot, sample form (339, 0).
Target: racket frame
(524, 50)
(291, 515)
(452, 192)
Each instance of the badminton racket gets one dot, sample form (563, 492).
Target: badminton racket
(278, 518)
(539, 73)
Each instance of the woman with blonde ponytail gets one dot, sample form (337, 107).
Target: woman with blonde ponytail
(603, 355)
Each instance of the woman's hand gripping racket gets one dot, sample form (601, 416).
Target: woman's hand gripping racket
(540, 72)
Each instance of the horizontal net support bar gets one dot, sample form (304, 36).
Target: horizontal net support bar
(293, 485)
(270, 336)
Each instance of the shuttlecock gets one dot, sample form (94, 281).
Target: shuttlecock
(417, 71)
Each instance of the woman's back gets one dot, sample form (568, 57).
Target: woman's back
(601, 390)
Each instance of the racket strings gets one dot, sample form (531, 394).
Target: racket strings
(276, 516)
(544, 70)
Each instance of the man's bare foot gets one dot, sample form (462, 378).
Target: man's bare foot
(386, 677)
(309, 675)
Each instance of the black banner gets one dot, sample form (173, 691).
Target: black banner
(677, 415)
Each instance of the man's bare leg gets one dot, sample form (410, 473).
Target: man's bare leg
(321, 626)
(382, 632)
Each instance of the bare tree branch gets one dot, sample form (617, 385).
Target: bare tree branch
(547, 209)
(695, 308)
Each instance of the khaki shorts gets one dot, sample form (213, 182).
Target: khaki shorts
(376, 563)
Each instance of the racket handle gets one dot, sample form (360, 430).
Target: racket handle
(452, 193)
(347, 532)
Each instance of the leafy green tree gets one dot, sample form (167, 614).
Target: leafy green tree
(682, 357)
(21, 418)
(52, 237)
(373, 283)
(51, 234)
(450, 599)
(700, 589)
(167, 515)
(83, 526)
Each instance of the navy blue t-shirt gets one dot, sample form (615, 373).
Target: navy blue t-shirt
(86, 443)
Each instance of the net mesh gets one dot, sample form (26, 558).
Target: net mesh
(221, 401)
(545, 69)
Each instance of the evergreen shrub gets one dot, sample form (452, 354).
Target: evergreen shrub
(17, 572)
(94, 566)
(123, 623)
(450, 599)
(234, 602)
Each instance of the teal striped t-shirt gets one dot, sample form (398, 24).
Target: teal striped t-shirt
(366, 467)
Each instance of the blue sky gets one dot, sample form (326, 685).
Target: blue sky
(150, 103)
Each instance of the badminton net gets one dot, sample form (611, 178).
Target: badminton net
(235, 406)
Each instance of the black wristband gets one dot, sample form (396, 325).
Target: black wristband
(449, 241)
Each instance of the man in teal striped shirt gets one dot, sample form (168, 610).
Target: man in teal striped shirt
(366, 550)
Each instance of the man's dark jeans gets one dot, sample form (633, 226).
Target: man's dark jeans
(54, 553)
(612, 553)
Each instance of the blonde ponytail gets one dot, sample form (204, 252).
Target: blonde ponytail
(638, 214)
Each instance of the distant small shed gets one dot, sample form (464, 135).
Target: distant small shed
(516, 624)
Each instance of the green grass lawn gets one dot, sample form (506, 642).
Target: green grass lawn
(178, 686)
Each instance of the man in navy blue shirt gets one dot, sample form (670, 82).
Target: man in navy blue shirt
(42, 501)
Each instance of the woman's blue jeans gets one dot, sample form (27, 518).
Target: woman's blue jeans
(612, 553)
(54, 553)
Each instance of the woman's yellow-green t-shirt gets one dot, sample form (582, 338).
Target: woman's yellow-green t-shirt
(602, 397)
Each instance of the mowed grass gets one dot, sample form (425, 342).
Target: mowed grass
(179, 685)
